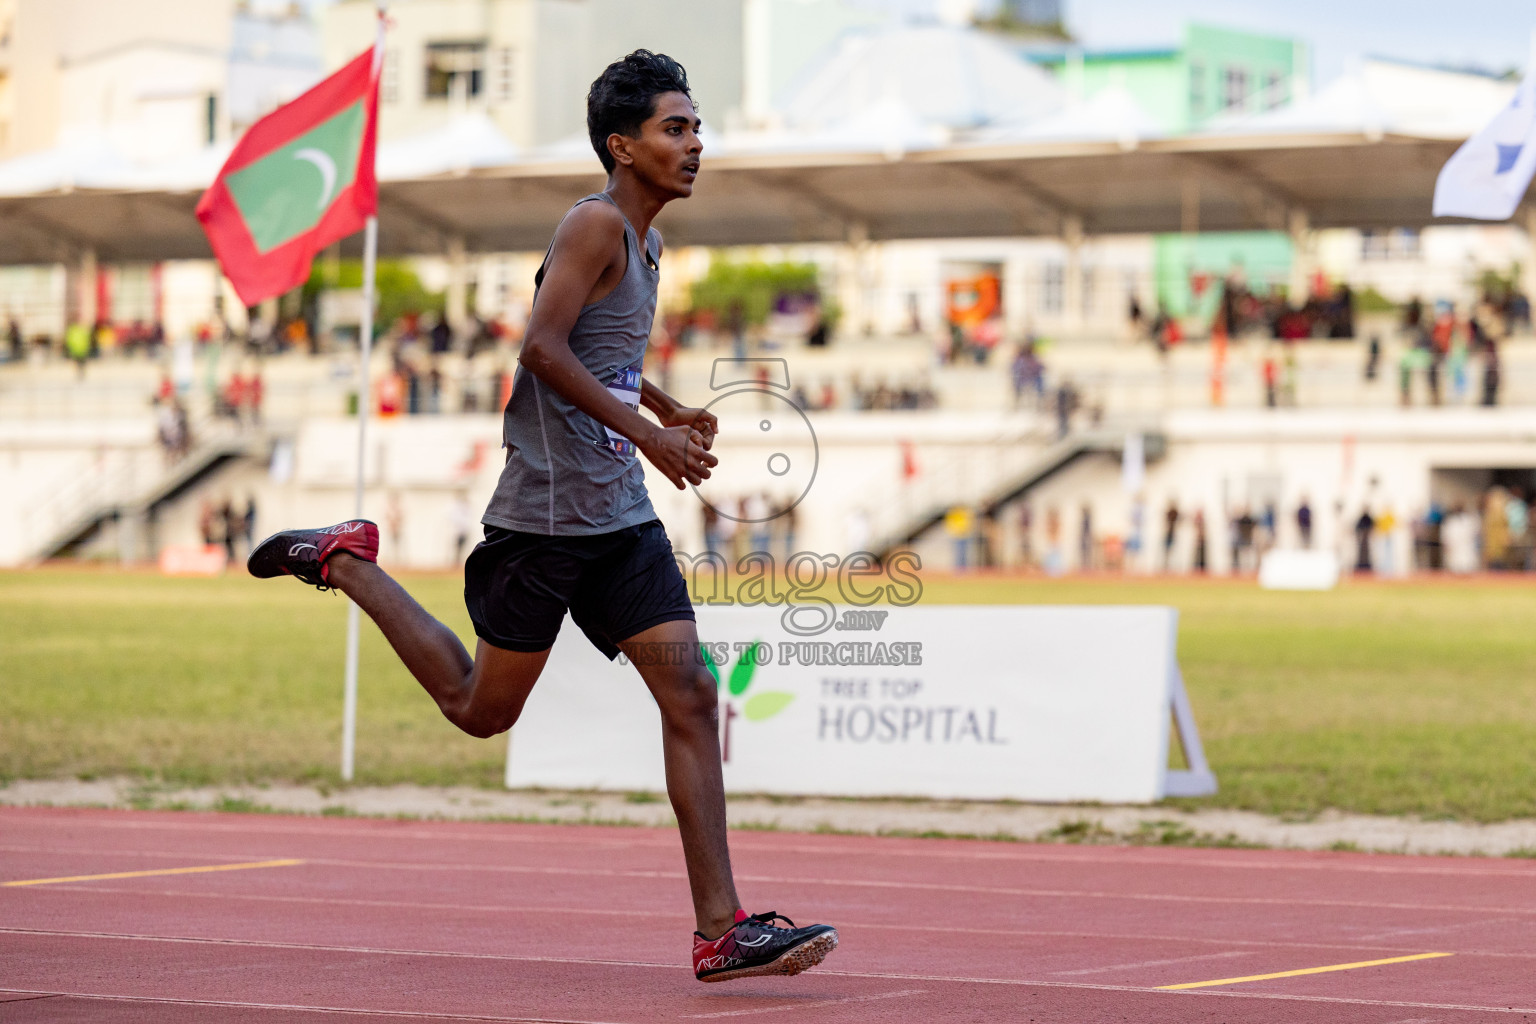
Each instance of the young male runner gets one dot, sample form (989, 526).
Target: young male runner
(570, 526)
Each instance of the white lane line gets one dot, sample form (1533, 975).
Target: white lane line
(326, 948)
(861, 883)
(904, 993)
(300, 1008)
(869, 975)
(482, 908)
(1224, 993)
(1153, 963)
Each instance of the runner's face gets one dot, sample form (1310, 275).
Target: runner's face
(667, 152)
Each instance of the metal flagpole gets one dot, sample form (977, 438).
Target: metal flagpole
(370, 259)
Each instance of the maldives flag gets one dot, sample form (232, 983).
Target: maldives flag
(300, 179)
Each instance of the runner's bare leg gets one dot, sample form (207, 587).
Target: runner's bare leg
(690, 737)
(482, 696)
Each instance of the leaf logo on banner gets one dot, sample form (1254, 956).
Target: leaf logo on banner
(760, 706)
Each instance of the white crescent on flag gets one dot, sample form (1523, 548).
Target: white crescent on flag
(327, 167)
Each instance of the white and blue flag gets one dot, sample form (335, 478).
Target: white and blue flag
(1487, 177)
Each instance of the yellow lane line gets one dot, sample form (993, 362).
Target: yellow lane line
(1308, 970)
(162, 871)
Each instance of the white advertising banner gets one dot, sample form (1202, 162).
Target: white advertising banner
(970, 702)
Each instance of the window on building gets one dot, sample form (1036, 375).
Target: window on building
(1090, 296)
(211, 118)
(455, 69)
(1274, 90)
(389, 77)
(1052, 297)
(502, 70)
(1397, 244)
(1234, 88)
(1196, 88)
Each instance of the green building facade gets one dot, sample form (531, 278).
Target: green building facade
(1216, 73)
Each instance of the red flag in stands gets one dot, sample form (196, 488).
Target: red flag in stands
(300, 179)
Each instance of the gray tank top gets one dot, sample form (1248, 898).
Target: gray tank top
(566, 474)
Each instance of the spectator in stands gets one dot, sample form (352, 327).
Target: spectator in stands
(1066, 404)
(1517, 518)
(1026, 540)
(1198, 560)
(789, 520)
(1496, 534)
(442, 337)
(434, 389)
(1385, 527)
(1133, 533)
(1304, 522)
(255, 393)
(166, 427)
(1429, 540)
(1170, 533)
(1085, 543)
(1411, 359)
(77, 345)
(758, 515)
(1271, 381)
(234, 527)
(1364, 526)
(248, 525)
(1245, 526)
(207, 523)
(1373, 358)
(1413, 318)
(1491, 375)
(394, 523)
(1055, 559)
(459, 519)
(1028, 372)
(988, 545)
(1341, 312)
(1458, 535)
(13, 338)
(103, 339)
(711, 519)
(1517, 311)
(1456, 365)
(821, 329)
(1134, 317)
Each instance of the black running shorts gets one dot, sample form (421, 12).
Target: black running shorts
(518, 586)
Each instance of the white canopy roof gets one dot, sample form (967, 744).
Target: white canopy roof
(947, 77)
(1110, 115)
(1380, 97)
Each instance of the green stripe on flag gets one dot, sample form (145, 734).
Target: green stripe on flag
(286, 192)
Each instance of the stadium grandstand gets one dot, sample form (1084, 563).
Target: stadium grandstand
(1053, 309)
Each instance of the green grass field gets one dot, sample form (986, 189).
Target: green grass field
(1409, 698)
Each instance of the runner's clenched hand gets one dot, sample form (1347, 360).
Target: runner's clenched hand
(701, 420)
(681, 453)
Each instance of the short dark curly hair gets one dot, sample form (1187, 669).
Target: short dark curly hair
(624, 95)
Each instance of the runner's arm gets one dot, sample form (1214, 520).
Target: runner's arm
(584, 248)
(673, 413)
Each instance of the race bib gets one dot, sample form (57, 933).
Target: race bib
(625, 386)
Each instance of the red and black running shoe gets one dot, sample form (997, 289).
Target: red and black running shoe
(755, 946)
(302, 554)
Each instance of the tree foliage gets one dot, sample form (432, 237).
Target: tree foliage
(399, 290)
(754, 286)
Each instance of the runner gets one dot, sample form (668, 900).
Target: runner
(571, 527)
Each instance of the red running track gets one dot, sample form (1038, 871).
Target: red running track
(387, 921)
